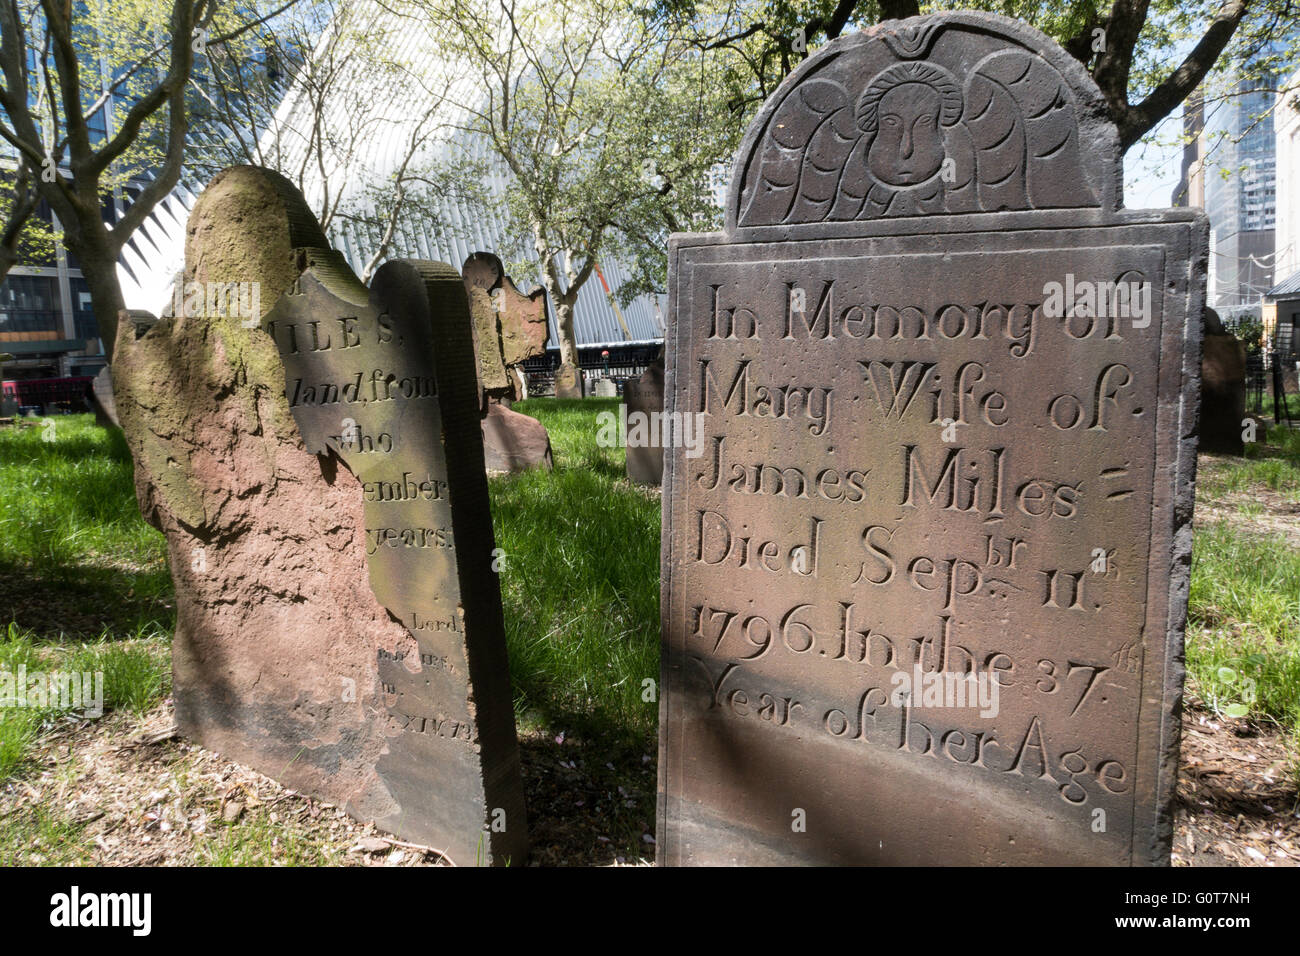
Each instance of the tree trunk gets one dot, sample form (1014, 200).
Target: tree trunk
(564, 324)
(91, 243)
(564, 301)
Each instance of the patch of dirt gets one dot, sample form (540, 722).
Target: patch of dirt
(1237, 803)
(143, 797)
(146, 798)
(1280, 514)
(590, 802)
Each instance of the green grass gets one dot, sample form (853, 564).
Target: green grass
(40, 835)
(581, 582)
(84, 585)
(84, 582)
(76, 558)
(1244, 610)
(135, 671)
(257, 841)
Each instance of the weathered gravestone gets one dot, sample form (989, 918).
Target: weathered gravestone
(1223, 389)
(644, 398)
(920, 465)
(326, 513)
(507, 321)
(509, 327)
(568, 382)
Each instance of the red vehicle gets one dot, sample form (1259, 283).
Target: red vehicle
(50, 394)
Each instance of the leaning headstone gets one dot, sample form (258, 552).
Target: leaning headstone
(322, 492)
(924, 591)
(644, 398)
(1223, 389)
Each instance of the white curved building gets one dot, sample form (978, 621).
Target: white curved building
(370, 129)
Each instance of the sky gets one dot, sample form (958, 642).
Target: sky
(1151, 170)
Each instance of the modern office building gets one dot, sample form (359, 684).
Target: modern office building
(1286, 126)
(1240, 171)
(1282, 302)
(46, 321)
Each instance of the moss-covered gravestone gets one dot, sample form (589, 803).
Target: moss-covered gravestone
(318, 473)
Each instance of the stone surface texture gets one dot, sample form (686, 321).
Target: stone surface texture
(940, 449)
(284, 655)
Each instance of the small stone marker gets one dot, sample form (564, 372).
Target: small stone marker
(568, 382)
(924, 591)
(644, 398)
(605, 388)
(513, 442)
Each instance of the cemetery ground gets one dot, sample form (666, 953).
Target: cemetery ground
(84, 587)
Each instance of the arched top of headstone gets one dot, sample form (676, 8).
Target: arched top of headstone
(483, 270)
(950, 114)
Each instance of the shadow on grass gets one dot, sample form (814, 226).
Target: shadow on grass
(85, 601)
(87, 440)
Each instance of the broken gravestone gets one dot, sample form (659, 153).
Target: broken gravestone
(924, 591)
(509, 328)
(322, 491)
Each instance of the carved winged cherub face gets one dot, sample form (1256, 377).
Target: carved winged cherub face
(908, 107)
(909, 148)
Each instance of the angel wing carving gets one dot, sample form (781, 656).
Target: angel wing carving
(914, 142)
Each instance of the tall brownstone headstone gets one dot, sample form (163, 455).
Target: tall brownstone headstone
(321, 486)
(1223, 389)
(644, 398)
(924, 592)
